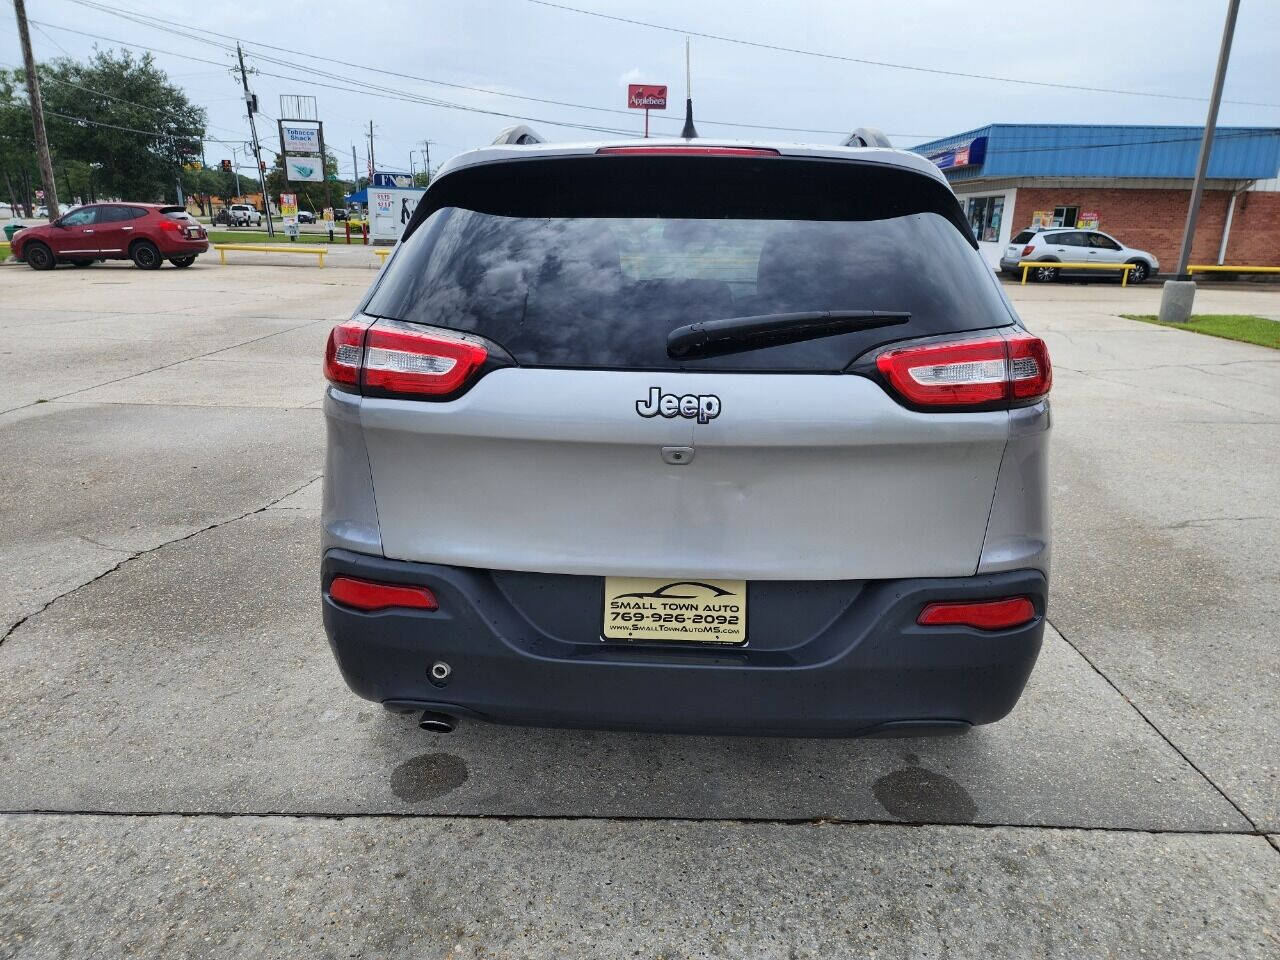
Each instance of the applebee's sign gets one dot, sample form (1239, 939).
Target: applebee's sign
(647, 96)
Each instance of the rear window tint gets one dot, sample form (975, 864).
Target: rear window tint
(604, 291)
(1026, 236)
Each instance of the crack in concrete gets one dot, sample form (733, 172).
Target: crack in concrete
(623, 818)
(142, 553)
(1256, 829)
(1183, 524)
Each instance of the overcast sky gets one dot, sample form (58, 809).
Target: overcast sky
(520, 47)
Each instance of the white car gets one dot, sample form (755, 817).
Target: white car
(1074, 246)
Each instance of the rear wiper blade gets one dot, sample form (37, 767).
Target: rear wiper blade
(736, 334)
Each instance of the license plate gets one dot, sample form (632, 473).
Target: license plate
(691, 611)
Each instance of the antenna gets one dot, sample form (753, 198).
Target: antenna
(689, 131)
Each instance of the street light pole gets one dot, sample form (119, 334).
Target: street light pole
(1178, 295)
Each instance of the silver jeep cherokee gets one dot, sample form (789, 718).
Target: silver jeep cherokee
(670, 435)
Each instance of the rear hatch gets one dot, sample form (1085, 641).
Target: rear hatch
(1014, 250)
(582, 446)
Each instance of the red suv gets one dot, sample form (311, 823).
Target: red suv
(146, 233)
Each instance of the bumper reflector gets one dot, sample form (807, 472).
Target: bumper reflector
(980, 614)
(367, 595)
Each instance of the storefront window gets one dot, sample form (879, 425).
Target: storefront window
(985, 214)
(1065, 216)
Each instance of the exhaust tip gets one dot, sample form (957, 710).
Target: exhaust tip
(436, 722)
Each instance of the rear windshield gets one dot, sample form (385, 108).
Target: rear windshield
(605, 291)
(1025, 236)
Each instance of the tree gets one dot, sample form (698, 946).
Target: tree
(142, 127)
(17, 144)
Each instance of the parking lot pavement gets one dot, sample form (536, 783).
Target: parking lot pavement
(163, 655)
(528, 889)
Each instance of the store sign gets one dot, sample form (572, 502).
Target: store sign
(1042, 220)
(305, 169)
(969, 154)
(647, 96)
(300, 139)
(1087, 220)
(390, 210)
(399, 181)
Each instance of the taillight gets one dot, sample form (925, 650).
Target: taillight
(997, 371)
(690, 151)
(980, 614)
(1028, 249)
(367, 595)
(388, 358)
(403, 360)
(171, 225)
(344, 353)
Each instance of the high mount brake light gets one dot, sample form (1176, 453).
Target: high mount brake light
(369, 596)
(999, 371)
(980, 614)
(389, 358)
(679, 151)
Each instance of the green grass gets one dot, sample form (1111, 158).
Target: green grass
(1229, 326)
(4, 252)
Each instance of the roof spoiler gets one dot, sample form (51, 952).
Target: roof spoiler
(867, 137)
(519, 134)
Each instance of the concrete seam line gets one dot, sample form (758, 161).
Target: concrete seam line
(142, 553)
(638, 818)
(1160, 733)
(163, 366)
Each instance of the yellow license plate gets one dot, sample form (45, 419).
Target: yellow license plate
(697, 611)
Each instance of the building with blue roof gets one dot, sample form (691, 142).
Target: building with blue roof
(1131, 181)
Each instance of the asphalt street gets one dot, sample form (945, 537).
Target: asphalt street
(185, 774)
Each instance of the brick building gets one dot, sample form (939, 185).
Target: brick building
(1133, 182)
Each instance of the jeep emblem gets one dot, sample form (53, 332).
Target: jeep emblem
(703, 406)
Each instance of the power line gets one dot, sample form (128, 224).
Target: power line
(882, 63)
(156, 23)
(347, 85)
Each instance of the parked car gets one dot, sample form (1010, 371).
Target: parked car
(756, 445)
(238, 215)
(146, 233)
(306, 216)
(1074, 246)
(339, 213)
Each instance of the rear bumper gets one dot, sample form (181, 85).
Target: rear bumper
(869, 669)
(184, 248)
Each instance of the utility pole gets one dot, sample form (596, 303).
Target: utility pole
(37, 112)
(250, 106)
(1179, 294)
(371, 165)
(426, 147)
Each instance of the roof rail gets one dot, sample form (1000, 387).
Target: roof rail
(519, 134)
(867, 137)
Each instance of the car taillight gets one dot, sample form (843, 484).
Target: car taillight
(992, 372)
(980, 614)
(368, 596)
(173, 226)
(344, 353)
(1028, 249)
(388, 358)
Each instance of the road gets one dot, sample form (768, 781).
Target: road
(187, 776)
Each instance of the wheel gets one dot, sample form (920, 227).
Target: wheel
(1141, 270)
(83, 263)
(145, 255)
(1044, 274)
(183, 261)
(39, 257)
